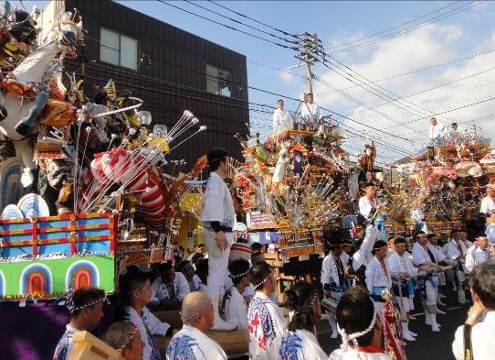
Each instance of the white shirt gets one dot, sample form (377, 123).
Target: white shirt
(217, 202)
(487, 205)
(363, 256)
(281, 120)
(353, 354)
(421, 256)
(329, 271)
(191, 343)
(400, 264)
(236, 309)
(451, 250)
(365, 206)
(147, 319)
(482, 335)
(310, 112)
(160, 291)
(475, 256)
(299, 345)
(265, 324)
(436, 131)
(377, 275)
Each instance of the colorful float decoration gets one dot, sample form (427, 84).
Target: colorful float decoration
(90, 197)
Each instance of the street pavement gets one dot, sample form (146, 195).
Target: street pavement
(428, 345)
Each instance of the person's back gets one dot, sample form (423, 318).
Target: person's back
(479, 326)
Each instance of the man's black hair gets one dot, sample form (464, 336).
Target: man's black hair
(215, 157)
(238, 267)
(482, 281)
(259, 273)
(355, 312)
(84, 296)
(378, 245)
(256, 247)
(300, 299)
(134, 279)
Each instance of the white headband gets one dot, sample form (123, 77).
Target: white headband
(346, 338)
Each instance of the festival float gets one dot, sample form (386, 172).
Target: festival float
(84, 190)
(292, 188)
(443, 185)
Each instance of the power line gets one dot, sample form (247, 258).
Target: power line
(448, 111)
(402, 32)
(423, 91)
(380, 32)
(243, 24)
(228, 26)
(421, 69)
(252, 19)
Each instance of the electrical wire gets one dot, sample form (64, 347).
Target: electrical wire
(243, 24)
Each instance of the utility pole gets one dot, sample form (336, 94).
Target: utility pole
(309, 47)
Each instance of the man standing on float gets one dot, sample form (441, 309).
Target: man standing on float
(217, 217)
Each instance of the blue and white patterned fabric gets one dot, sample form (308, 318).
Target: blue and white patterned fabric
(300, 345)
(192, 344)
(265, 323)
(64, 346)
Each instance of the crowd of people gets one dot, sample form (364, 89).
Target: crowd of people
(227, 286)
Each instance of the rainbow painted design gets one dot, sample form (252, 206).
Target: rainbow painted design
(37, 280)
(82, 274)
(2, 284)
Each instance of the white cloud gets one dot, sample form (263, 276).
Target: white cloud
(286, 77)
(430, 45)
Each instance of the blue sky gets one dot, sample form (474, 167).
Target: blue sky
(460, 35)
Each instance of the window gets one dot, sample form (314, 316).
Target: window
(118, 49)
(218, 81)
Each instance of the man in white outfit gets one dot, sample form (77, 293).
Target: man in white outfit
(402, 271)
(281, 118)
(488, 203)
(378, 278)
(333, 277)
(234, 304)
(455, 250)
(479, 327)
(477, 254)
(217, 217)
(170, 288)
(427, 263)
(435, 132)
(310, 111)
(191, 342)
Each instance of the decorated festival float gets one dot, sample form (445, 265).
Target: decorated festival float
(84, 192)
(292, 188)
(443, 185)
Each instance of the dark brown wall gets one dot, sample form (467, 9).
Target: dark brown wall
(175, 80)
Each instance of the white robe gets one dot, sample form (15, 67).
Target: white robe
(236, 309)
(352, 354)
(363, 256)
(451, 250)
(147, 319)
(160, 291)
(482, 335)
(376, 276)
(281, 120)
(329, 271)
(365, 206)
(310, 112)
(190, 343)
(475, 256)
(487, 205)
(421, 256)
(266, 323)
(299, 345)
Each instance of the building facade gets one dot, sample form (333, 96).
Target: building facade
(170, 69)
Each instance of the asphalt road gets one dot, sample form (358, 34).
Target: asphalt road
(428, 345)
